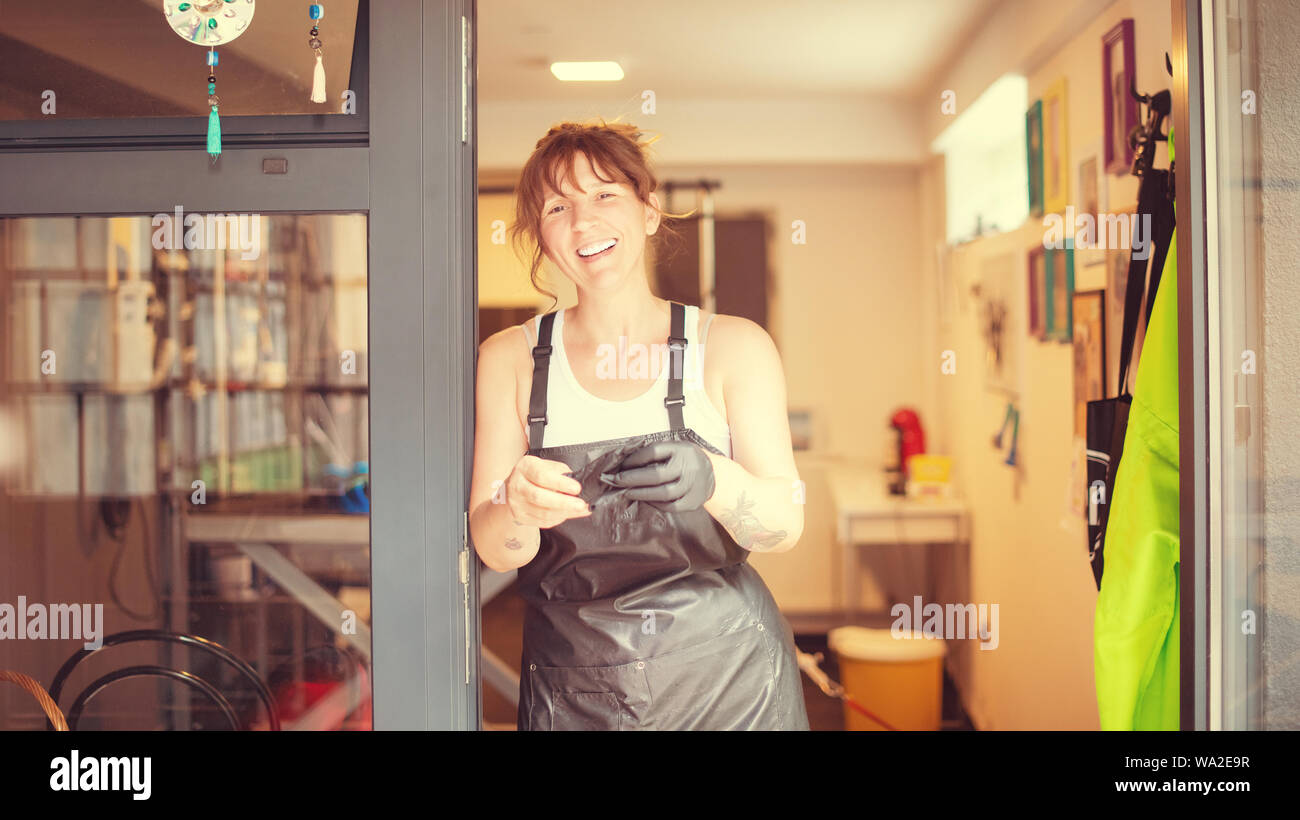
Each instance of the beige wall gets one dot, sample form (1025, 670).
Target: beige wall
(836, 129)
(1279, 35)
(846, 316)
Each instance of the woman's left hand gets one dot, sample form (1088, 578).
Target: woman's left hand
(674, 476)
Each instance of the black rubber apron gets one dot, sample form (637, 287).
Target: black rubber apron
(642, 619)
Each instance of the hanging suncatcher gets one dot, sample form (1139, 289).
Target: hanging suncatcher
(315, 11)
(210, 23)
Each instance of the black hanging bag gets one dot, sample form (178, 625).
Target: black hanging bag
(1107, 419)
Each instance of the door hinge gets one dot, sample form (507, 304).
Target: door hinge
(464, 79)
(1241, 432)
(464, 581)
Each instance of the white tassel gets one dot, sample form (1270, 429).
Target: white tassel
(318, 82)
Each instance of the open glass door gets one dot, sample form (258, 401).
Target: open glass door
(188, 351)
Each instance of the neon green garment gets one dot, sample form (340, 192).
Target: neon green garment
(1137, 625)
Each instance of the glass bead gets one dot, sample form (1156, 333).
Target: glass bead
(183, 7)
(315, 11)
(212, 23)
(314, 42)
(212, 58)
(212, 87)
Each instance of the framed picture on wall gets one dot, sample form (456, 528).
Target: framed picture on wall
(1121, 110)
(1089, 195)
(1088, 250)
(1056, 162)
(1034, 153)
(998, 289)
(1059, 292)
(1089, 309)
(1037, 291)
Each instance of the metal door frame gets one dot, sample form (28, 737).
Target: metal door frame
(1195, 327)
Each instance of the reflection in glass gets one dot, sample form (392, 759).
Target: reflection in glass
(184, 452)
(79, 59)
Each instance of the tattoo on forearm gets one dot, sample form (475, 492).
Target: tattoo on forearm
(513, 544)
(746, 528)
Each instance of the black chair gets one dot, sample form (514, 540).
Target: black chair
(193, 681)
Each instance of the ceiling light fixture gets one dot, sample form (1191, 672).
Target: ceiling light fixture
(600, 71)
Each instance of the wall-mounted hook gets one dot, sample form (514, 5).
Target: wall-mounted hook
(1142, 99)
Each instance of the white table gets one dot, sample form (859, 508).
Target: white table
(254, 534)
(867, 515)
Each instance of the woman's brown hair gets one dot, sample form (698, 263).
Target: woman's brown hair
(614, 148)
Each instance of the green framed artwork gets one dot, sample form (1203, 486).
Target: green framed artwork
(1059, 293)
(1034, 155)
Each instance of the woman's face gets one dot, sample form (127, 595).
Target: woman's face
(596, 235)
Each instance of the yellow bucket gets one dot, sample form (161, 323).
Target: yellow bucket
(899, 679)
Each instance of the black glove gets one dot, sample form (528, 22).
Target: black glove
(674, 476)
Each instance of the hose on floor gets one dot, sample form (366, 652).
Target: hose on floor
(811, 666)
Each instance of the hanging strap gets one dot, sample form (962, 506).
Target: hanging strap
(1153, 201)
(676, 400)
(541, 370)
(1162, 230)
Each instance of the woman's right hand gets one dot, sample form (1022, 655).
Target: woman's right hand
(540, 494)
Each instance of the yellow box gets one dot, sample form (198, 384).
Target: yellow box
(929, 469)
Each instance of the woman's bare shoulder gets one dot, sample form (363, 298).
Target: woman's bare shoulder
(508, 348)
(736, 350)
(734, 337)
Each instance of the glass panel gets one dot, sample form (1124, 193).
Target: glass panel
(184, 449)
(1254, 308)
(82, 59)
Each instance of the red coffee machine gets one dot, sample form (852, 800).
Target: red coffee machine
(909, 440)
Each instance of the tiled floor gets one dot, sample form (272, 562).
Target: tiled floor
(502, 620)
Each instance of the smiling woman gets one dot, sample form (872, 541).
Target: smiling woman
(576, 152)
(631, 530)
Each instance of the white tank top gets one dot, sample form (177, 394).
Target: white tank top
(575, 416)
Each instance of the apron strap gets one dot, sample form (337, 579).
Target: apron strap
(675, 399)
(541, 370)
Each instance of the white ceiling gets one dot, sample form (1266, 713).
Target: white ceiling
(737, 49)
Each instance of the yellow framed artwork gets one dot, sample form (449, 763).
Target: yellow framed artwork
(1056, 154)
